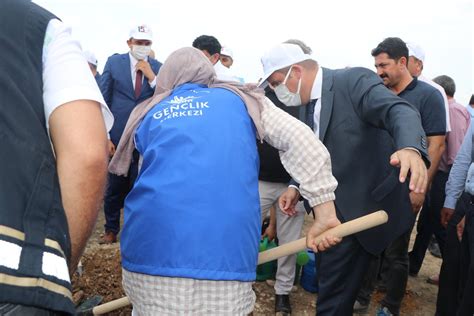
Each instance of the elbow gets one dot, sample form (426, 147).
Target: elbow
(91, 160)
(95, 159)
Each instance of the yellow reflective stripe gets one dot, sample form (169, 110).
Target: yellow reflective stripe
(35, 282)
(14, 233)
(10, 232)
(55, 245)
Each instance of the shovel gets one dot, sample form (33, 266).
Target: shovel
(345, 229)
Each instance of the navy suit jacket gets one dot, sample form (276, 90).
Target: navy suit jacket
(117, 88)
(362, 123)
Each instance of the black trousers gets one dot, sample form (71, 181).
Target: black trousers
(21, 310)
(117, 189)
(456, 280)
(396, 277)
(340, 272)
(429, 222)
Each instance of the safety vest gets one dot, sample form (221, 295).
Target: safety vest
(34, 238)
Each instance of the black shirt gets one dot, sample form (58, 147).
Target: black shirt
(271, 169)
(429, 102)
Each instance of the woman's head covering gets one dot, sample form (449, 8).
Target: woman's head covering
(186, 65)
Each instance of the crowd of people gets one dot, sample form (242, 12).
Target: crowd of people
(197, 159)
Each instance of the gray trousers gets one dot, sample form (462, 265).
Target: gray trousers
(288, 229)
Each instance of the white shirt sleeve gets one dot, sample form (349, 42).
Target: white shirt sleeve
(66, 75)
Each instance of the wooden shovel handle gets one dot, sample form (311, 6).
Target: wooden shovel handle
(348, 228)
(111, 306)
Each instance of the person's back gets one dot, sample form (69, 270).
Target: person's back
(197, 189)
(46, 213)
(28, 184)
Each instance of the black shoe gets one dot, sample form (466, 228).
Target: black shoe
(282, 304)
(434, 249)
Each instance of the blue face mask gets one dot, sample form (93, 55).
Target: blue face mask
(285, 95)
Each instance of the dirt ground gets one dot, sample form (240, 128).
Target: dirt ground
(102, 276)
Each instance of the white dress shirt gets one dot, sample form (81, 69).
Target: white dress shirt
(133, 63)
(316, 94)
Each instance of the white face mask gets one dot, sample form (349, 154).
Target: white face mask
(140, 52)
(287, 97)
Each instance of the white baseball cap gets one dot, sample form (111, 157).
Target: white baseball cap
(279, 57)
(227, 52)
(90, 57)
(416, 50)
(141, 32)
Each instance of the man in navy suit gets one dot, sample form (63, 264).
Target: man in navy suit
(127, 80)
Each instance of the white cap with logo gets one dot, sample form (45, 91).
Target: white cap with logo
(226, 51)
(141, 32)
(279, 57)
(416, 51)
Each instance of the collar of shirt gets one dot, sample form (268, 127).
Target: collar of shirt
(317, 85)
(410, 86)
(133, 63)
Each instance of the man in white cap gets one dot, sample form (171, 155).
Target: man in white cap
(351, 111)
(127, 80)
(226, 57)
(92, 61)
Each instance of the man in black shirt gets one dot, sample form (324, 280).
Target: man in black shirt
(391, 58)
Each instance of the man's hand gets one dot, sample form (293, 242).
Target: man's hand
(288, 201)
(270, 232)
(416, 200)
(446, 214)
(460, 228)
(325, 219)
(409, 160)
(111, 147)
(145, 67)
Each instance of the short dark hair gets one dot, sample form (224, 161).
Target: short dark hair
(208, 43)
(394, 47)
(447, 83)
(471, 101)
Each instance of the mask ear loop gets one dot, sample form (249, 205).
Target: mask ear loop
(287, 75)
(299, 86)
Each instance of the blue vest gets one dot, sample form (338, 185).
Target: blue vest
(194, 209)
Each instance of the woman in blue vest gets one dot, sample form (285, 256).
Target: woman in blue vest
(192, 220)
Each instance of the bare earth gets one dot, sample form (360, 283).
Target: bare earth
(102, 276)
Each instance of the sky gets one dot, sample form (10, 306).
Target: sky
(341, 33)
